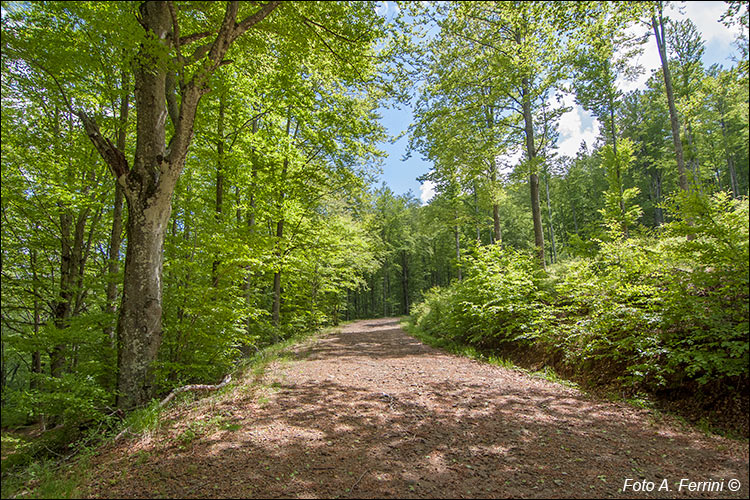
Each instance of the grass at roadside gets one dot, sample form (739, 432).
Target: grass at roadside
(63, 476)
(474, 353)
(640, 400)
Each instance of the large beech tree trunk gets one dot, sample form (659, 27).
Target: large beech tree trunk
(139, 327)
(149, 188)
(149, 184)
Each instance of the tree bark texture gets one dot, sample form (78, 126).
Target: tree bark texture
(536, 212)
(148, 186)
(658, 26)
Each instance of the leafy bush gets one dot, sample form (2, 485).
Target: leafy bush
(500, 300)
(654, 311)
(706, 296)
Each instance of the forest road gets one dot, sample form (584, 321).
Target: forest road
(369, 411)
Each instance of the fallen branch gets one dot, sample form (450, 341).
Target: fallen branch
(195, 387)
(360, 479)
(184, 388)
(126, 430)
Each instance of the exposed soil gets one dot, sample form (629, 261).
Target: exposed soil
(372, 412)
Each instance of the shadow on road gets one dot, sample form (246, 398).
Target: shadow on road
(372, 413)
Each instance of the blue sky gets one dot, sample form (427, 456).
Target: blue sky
(576, 125)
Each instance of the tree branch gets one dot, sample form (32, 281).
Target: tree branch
(337, 35)
(194, 37)
(113, 157)
(254, 19)
(194, 89)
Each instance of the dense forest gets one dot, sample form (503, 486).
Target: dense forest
(185, 183)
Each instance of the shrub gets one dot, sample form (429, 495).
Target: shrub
(654, 311)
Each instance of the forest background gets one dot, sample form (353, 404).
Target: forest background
(184, 183)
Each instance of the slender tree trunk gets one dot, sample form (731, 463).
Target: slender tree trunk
(405, 280)
(733, 176)
(692, 148)
(36, 356)
(476, 213)
(733, 184)
(71, 273)
(115, 236)
(276, 314)
(62, 306)
(219, 177)
(458, 252)
(251, 227)
(277, 279)
(549, 215)
(657, 22)
(658, 211)
(385, 292)
(618, 170)
(536, 212)
(575, 218)
(493, 181)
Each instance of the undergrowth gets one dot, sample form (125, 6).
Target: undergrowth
(46, 466)
(662, 313)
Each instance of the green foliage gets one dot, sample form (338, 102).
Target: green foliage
(655, 311)
(707, 298)
(499, 301)
(619, 211)
(275, 185)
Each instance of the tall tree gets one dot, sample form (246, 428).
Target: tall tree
(657, 23)
(159, 66)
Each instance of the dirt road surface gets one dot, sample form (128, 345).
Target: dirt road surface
(370, 412)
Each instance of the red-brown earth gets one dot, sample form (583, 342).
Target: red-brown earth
(369, 411)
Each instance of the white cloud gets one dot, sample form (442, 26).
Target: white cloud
(507, 162)
(572, 130)
(387, 8)
(426, 191)
(705, 15)
(648, 60)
